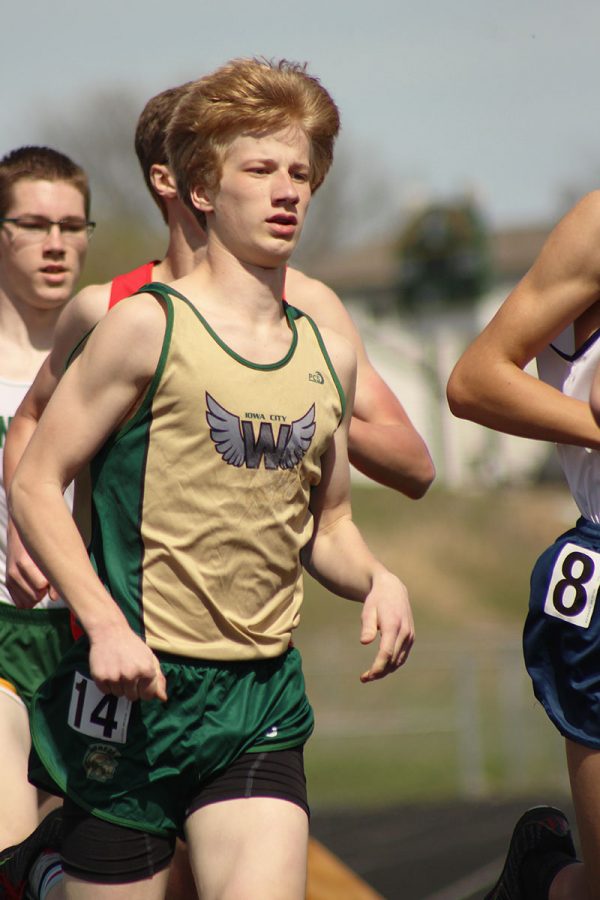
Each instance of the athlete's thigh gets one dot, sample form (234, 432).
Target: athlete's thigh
(584, 774)
(249, 849)
(19, 807)
(153, 888)
(181, 880)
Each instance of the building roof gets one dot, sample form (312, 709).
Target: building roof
(375, 266)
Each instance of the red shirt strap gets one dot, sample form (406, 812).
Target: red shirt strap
(127, 284)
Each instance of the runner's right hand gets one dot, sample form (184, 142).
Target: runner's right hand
(26, 583)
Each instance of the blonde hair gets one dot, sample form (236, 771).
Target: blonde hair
(247, 96)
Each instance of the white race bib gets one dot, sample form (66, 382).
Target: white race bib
(98, 715)
(574, 585)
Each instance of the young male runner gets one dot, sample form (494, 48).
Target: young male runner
(383, 442)
(44, 229)
(554, 314)
(216, 462)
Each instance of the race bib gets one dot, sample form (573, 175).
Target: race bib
(98, 715)
(574, 585)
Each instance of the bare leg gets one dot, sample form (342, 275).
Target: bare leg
(584, 774)
(249, 849)
(181, 884)
(19, 816)
(150, 889)
(570, 884)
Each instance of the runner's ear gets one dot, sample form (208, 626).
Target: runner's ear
(201, 198)
(163, 180)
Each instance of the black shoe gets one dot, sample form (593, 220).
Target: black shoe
(540, 828)
(16, 861)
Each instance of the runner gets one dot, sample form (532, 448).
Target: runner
(554, 314)
(221, 398)
(44, 230)
(383, 442)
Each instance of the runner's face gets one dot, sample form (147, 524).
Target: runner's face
(41, 269)
(258, 211)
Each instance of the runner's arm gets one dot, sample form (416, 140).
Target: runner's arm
(94, 397)
(338, 557)
(488, 384)
(383, 442)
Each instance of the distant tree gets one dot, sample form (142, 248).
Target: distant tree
(444, 256)
(98, 133)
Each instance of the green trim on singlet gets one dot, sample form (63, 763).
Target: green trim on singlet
(164, 290)
(79, 345)
(127, 469)
(296, 313)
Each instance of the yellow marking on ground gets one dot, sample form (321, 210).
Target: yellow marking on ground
(330, 879)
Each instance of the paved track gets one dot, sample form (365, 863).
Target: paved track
(426, 852)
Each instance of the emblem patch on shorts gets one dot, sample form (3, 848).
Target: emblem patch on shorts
(100, 762)
(573, 587)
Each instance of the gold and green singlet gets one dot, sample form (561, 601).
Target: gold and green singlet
(200, 503)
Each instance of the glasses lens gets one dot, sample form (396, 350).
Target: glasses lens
(31, 228)
(37, 228)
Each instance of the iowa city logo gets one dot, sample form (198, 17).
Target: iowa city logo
(235, 440)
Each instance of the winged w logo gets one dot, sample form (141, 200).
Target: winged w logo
(234, 438)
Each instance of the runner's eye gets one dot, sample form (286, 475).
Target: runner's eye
(33, 224)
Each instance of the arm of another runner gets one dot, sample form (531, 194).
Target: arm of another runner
(488, 384)
(96, 394)
(26, 583)
(338, 557)
(383, 442)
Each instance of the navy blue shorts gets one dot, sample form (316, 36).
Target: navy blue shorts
(561, 640)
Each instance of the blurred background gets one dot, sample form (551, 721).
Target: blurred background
(468, 129)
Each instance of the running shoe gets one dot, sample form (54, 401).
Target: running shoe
(540, 828)
(16, 861)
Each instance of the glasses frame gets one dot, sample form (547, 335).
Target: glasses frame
(88, 228)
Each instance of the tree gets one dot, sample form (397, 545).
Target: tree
(444, 256)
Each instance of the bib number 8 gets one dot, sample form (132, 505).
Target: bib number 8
(96, 714)
(574, 585)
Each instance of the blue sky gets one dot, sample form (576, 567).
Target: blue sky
(435, 96)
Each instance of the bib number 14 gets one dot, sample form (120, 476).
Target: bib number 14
(96, 714)
(574, 585)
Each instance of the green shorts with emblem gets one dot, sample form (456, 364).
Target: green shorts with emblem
(140, 764)
(32, 643)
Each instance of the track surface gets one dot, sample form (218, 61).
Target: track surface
(453, 851)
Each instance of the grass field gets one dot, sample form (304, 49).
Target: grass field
(460, 717)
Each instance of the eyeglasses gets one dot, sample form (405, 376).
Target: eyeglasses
(37, 228)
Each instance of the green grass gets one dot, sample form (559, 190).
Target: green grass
(466, 561)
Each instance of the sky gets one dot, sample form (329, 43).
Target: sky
(436, 97)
